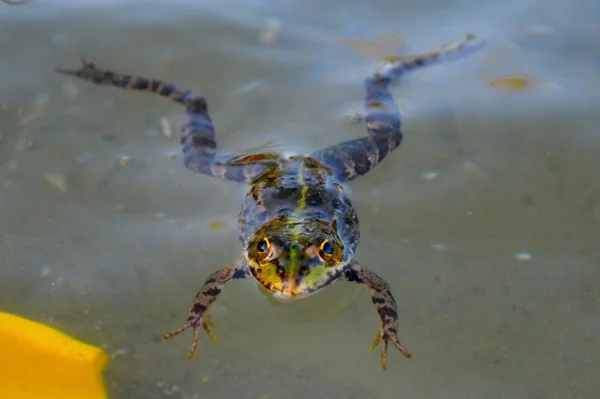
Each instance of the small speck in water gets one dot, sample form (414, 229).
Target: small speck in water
(269, 35)
(217, 225)
(430, 175)
(45, 270)
(511, 83)
(123, 351)
(440, 246)
(523, 256)
(247, 87)
(166, 127)
(56, 180)
(124, 160)
(58, 280)
(353, 117)
(204, 380)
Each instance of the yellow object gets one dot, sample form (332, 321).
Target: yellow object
(37, 361)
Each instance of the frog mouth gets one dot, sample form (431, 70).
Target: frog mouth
(282, 289)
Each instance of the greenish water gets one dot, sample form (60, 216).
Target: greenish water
(486, 223)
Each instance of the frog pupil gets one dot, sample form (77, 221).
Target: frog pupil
(262, 246)
(327, 248)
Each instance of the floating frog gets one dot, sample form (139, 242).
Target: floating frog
(298, 228)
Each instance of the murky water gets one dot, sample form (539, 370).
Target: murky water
(486, 222)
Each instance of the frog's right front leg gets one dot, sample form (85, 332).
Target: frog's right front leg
(198, 317)
(197, 132)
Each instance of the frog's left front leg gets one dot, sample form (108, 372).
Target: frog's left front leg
(198, 317)
(385, 304)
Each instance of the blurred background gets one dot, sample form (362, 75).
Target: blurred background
(486, 222)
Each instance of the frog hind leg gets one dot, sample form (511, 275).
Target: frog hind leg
(353, 158)
(386, 308)
(197, 131)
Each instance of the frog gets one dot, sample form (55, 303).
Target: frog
(297, 224)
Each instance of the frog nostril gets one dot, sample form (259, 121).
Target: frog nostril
(304, 270)
(280, 271)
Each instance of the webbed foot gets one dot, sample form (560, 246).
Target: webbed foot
(384, 338)
(196, 323)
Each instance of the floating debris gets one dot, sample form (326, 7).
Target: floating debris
(56, 180)
(354, 117)
(166, 127)
(440, 246)
(167, 388)
(204, 380)
(430, 175)
(247, 87)
(59, 280)
(523, 256)
(271, 32)
(217, 225)
(45, 271)
(511, 83)
(124, 160)
(123, 351)
(468, 214)
(24, 143)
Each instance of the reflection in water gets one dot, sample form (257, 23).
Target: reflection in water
(485, 222)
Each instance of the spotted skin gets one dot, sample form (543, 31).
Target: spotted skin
(297, 224)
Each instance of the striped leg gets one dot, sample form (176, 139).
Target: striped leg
(198, 318)
(357, 157)
(386, 307)
(197, 132)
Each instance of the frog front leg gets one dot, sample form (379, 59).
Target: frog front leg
(197, 131)
(385, 304)
(353, 158)
(198, 317)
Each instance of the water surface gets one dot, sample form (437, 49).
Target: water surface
(485, 222)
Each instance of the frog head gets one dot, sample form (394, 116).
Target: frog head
(294, 259)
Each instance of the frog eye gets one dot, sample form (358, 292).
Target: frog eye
(264, 248)
(325, 251)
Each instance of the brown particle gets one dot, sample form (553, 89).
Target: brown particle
(511, 83)
(217, 225)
